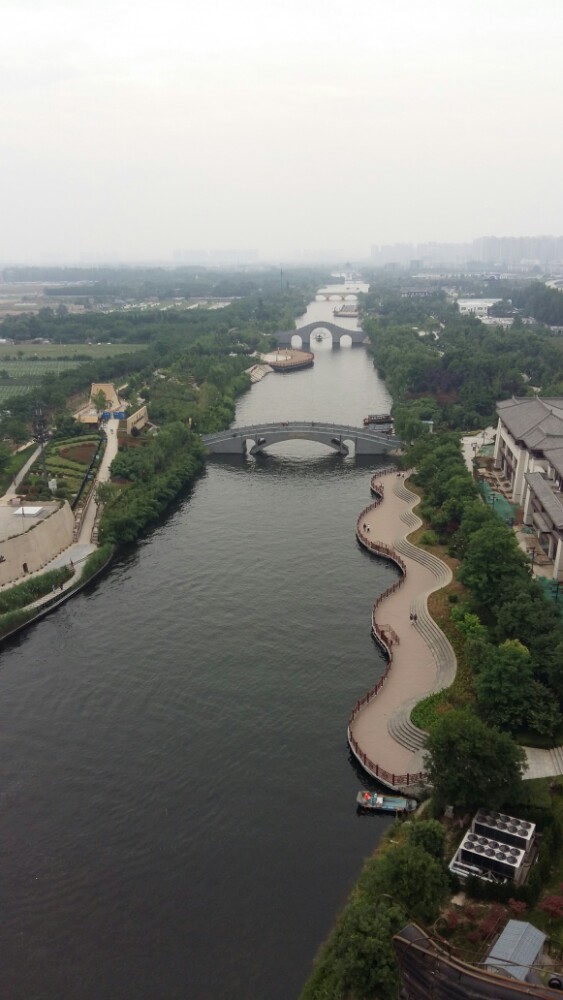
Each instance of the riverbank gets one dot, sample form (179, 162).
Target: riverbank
(12, 623)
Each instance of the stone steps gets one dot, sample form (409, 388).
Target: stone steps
(439, 571)
(410, 519)
(402, 729)
(557, 758)
(399, 725)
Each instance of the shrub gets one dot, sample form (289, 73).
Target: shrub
(96, 561)
(31, 590)
(428, 538)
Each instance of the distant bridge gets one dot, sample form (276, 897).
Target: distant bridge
(357, 336)
(339, 437)
(329, 296)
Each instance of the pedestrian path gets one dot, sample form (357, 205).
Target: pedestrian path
(390, 747)
(422, 659)
(76, 554)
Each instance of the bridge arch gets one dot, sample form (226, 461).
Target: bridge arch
(357, 337)
(338, 437)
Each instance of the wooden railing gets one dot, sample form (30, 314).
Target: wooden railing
(386, 552)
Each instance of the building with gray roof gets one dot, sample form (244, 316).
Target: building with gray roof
(529, 451)
(516, 951)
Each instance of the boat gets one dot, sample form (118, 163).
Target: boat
(346, 312)
(319, 337)
(376, 802)
(378, 418)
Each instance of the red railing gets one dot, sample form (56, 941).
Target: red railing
(386, 552)
(379, 772)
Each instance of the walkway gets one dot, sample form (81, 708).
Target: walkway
(77, 553)
(19, 476)
(423, 660)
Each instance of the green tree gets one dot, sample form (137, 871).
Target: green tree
(99, 400)
(107, 493)
(5, 455)
(543, 716)
(364, 963)
(430, 835)
(493, 564)
(504, 685)
(415, 879)
(470, 763)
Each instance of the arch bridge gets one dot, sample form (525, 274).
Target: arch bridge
(365, 440)
(357, 336)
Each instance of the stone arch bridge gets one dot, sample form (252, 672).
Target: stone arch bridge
(339, 437)
(357, 336)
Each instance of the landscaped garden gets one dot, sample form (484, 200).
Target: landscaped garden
(66, 463)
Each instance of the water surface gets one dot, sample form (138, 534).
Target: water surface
(178, 812)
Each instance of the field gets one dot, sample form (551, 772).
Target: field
(44, 352)
(22, 366)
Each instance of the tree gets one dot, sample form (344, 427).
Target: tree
(415, 879)
(543, 715)
(504, 685)
(67, 426)
(430, 835)
(470, 763)
(5, 455)
(362, 961)
(493, 563)
(107, 493)
(99, 400)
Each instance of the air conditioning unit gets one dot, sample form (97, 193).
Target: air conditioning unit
(490, 855)
(507, 829)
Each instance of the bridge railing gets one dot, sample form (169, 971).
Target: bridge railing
(369, 433)
(383, 638)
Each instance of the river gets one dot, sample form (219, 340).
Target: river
(178, 815)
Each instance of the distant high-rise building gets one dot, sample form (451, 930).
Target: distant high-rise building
(495, 252)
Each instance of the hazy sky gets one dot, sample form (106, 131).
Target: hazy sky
(136, 128)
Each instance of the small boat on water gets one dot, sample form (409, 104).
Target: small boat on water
(319, 337)
(378, 418)
(375, 802)
(346, 312)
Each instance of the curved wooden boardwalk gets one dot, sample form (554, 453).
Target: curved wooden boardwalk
(421, 659)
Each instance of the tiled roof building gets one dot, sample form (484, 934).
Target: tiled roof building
(529, 451)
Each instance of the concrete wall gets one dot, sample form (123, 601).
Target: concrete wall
(38, 545)
(137, 419)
